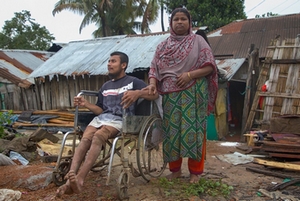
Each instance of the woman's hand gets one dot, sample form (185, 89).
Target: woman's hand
(151, 89)
(183, 79)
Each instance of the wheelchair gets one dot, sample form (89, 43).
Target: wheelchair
(141, 134)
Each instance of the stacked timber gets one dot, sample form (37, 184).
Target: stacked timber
(284, 146)
(51, 118)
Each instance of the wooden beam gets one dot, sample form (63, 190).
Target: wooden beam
(269, 173)
(277, 164)
(285, 155)
(282, 61)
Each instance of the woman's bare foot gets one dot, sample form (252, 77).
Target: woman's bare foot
(194, 178)
(75, 185)
(174, 175)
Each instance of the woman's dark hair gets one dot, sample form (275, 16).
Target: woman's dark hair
(123, 57)
(182, 10)
(203, 34)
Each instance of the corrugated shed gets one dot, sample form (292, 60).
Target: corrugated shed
(16, 65)
(14, 75)
(91, 56)
(230, 66)
(235, 38)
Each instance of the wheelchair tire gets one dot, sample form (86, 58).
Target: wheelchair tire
(123, 184)
(149, 153)
(58, 176)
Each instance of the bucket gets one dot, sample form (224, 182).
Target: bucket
(211, 131)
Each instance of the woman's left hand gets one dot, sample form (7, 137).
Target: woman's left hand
(183, 80)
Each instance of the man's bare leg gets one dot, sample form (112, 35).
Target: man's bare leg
(99, 139)
(74, 184)
(78, 157)
(90, 160)
(64, 189)
(83, 147)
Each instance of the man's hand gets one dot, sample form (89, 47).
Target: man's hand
(79, 101)
(129, 97)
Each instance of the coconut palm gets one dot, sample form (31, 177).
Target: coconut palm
(112, 17)
(148, 12)
(94, 11)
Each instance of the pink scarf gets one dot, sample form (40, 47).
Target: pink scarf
(179, 54)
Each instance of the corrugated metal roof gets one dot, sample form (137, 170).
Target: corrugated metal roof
(91, 56)
(235, 38)
(230, 66)
(16, 65)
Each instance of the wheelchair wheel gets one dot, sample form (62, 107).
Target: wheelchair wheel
(149, 153)
(122, 186)
(58, 177)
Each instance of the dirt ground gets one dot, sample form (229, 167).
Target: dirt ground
(245, 183)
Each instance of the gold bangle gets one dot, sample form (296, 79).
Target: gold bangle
(190, 76)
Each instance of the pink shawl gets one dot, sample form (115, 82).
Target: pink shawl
(178, 54)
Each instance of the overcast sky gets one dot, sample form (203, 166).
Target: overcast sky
(65, 25)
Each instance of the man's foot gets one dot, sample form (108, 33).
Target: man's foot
(75, 185)
(174, 175)
(64, 189)
(194, 178)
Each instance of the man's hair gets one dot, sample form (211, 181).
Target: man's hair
(123, 57)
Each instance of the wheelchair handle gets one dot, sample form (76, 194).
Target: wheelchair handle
(82, 92)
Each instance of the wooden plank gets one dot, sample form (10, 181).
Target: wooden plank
(269, 173)
(47, 89)
(281, 95)
(280, 150)
(275, 144)
(277, 164)
(253, 56)
(292, 81)
(277, 195)
(283, 61)
(17, 124)
(261, 81)
(285, 155)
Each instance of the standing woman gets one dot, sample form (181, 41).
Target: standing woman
(183, 71)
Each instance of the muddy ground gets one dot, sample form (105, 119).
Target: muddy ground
(245, 183)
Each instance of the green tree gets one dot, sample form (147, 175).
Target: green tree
(149, 13)
(112, 17)
(211, 13)
(22, 32)
(93, 11)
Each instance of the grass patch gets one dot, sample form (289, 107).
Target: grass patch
(209, 187)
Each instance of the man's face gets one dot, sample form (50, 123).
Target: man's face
(114, 66)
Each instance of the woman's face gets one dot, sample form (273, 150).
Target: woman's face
(180, 24)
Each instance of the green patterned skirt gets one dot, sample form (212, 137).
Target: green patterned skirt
(184, 122)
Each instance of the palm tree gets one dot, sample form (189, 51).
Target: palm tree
(113, 17)
(149, 13)
(94, 11)
(121, 17)
(162, 15)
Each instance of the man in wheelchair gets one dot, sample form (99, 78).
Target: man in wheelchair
(121, 92)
